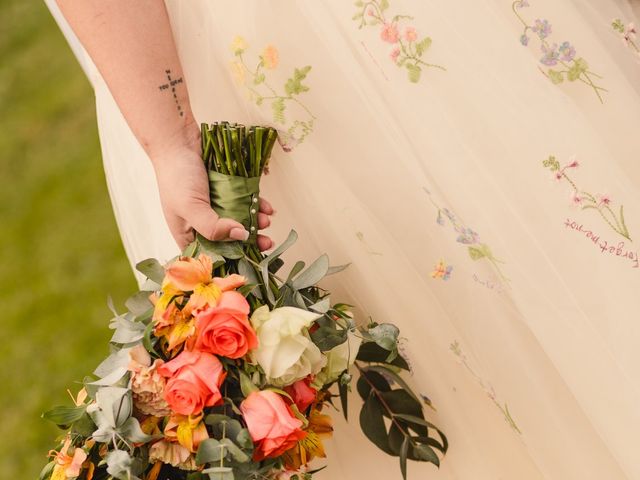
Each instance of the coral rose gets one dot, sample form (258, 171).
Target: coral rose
(194, 380)
(225, 329)
(272, 426)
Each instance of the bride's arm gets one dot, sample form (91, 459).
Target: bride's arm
(132, 45)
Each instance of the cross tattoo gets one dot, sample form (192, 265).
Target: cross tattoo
(172, 83)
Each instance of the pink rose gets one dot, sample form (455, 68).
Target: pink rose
(302, 394)
(272, 426)
(389, 33)
(225, 329)
(194, 379)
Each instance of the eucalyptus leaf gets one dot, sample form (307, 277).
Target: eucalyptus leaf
(152, 269)
(46, 472)
(119, 464)
(84, 426)
(291, 239)
(385, 335)
(327, 338)
(322, 306)
(244, 439)
(126, 331)
(130, 430)
(297, 268)
(209, 451)
(117, 360)
(218, 251)
(313, 274)
(138, 303)
(64, 415)
(337, 269)
(237, 454)
(220, 473)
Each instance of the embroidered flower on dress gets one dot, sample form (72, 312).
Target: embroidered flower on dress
(572, 68)
(389, 33)
(601, 203)
(410, 49)
(551, 54)
(567, 52)
(542, 27)
(410, 34)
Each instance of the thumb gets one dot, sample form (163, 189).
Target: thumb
(208, 224)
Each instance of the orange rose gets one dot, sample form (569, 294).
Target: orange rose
(272, 426)
(194, 379)
(225, 329)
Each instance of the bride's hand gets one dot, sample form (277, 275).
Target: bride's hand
(184, 194)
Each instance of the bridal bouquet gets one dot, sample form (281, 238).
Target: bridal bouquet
(223, 368)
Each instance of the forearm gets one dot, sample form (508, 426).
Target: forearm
(131, 44)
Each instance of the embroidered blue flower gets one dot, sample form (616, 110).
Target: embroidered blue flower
(542, 28)
(550, 56)
(567, 52)
(467, 236)
(524, 40)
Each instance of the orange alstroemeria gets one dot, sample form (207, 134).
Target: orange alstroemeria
(195, 275)
(310, 447)
(188, 430)
(175, 326)
(67, 466)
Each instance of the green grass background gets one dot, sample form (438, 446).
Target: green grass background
(60, 252)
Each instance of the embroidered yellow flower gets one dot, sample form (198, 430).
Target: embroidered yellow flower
(238, 45)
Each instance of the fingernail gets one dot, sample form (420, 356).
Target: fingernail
(245, 235)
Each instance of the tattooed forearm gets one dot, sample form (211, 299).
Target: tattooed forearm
(171, 83)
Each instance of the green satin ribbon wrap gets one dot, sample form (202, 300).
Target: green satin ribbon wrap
(237, 198)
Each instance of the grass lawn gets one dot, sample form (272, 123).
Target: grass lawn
(60, 253)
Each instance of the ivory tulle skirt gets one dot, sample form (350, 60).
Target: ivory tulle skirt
(484, 184)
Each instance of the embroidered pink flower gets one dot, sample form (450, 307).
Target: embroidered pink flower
(576, 199)
(395, 53)
(410, 34)
(573, 163)
(371, 12)
(389, 33)
(603, 199)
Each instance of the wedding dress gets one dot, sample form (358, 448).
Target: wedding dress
(514, 282)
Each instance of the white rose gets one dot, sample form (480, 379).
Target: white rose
(285, 352)
(339, 359)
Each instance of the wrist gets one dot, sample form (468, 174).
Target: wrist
(184, 141)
